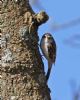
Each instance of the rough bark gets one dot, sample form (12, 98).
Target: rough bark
(22, 74)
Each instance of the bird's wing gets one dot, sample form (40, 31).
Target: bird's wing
(52, 52)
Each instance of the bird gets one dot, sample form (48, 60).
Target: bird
(48, 48)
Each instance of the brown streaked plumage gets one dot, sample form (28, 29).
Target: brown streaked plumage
(48, 47)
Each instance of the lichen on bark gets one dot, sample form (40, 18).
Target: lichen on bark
(22, 74)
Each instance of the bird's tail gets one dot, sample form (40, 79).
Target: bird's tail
(49, 70)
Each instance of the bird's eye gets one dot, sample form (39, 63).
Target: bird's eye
(50, 37)
(44, 36)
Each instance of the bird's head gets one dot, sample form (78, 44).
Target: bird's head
(47, 35)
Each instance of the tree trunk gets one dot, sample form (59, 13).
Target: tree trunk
(22, 74)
